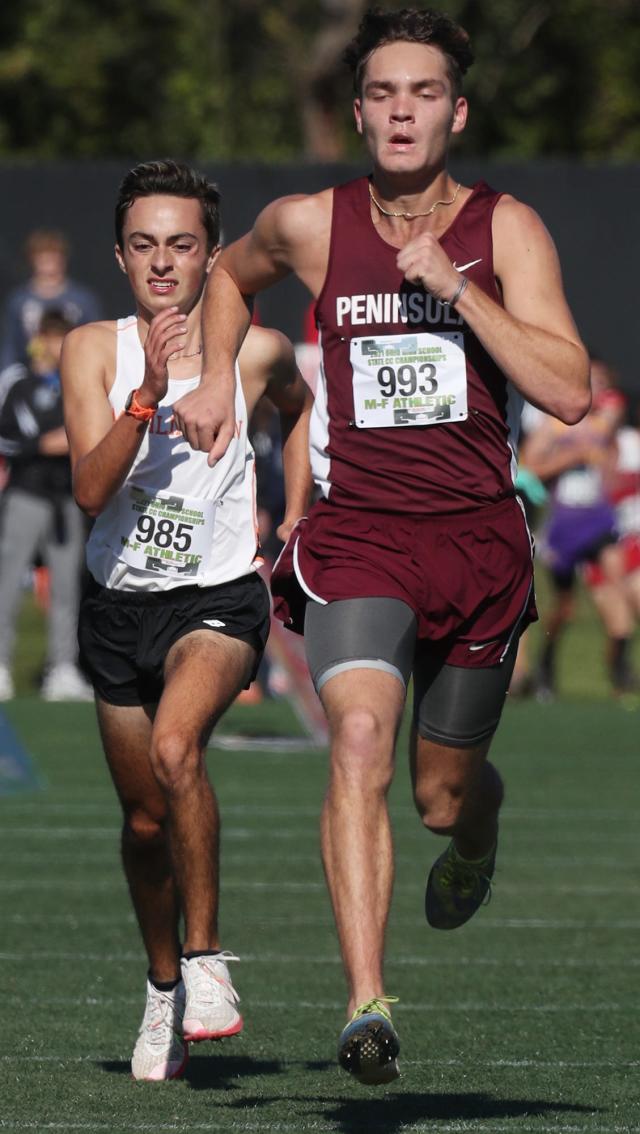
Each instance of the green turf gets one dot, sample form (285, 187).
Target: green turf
(524, 1020)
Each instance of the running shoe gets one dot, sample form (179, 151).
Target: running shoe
(368, 1047)
(160, 1051)
(210, 1012)
(457, 887)
(7, 691)
(66, 683)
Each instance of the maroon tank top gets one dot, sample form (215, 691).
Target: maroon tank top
(448, 466)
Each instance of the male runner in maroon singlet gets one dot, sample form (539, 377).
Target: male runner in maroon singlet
(439, 308)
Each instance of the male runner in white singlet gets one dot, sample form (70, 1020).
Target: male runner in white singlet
(439, 306)
(175, 618)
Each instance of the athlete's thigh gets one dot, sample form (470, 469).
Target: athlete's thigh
(203, 673)
(458, 706)
(632, 585)
(360, 653)
(357, 634)
(126, 738)
(615, 608)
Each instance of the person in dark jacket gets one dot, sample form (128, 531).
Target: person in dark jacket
(39, 515)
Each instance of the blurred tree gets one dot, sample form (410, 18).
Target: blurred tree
(554, 78)
(263, 79)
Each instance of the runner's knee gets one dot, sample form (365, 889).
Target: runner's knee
(175, 758)
(362, 747)
(445, 801)
(142, 829)
(439, 803)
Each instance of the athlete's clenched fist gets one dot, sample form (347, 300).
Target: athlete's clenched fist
(423, 261)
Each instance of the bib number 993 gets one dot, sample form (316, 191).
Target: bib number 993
(407, 380)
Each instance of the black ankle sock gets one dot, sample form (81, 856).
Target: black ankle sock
(620, 663)
(165, 985)
(547, 663)
(201, 953)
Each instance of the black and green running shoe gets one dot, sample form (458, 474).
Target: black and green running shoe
(368, 1047)
(457, 887)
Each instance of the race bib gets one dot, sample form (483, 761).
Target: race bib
(628, 515)
(580, 488)
(164, 534)
(409, 379)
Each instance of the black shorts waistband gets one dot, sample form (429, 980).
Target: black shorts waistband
(118, 597)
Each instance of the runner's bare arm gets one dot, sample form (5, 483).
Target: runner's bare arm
(533, 338)
(553, 449)
(550, 451)
(54, 443)
(268, 366)
(102, 450)
(288, 236)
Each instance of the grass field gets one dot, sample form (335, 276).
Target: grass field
(526, 1020)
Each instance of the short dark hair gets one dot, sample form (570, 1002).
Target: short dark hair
(408, 25)
(46, 240)
(173, 179)
(54, 322)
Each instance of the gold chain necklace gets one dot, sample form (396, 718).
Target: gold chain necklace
(412, 216)
(194, 355)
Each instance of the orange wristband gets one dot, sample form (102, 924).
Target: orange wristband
(133, 408)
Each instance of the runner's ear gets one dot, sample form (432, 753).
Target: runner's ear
(213, 256)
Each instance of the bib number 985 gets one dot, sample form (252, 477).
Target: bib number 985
(164, 533)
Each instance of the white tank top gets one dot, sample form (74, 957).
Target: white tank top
(175, 521)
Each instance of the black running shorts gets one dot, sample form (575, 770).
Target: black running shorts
(125, 636)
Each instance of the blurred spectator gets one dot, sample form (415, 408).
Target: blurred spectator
(47, 289)
(264, 434)
(308, 351)
(533, 495)
(39, 515)
(576, 463)
(624, 493)
(309, 325)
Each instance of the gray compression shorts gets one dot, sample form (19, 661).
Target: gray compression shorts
(453, 705)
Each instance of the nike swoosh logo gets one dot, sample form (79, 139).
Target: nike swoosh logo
(483, 645)
(463, 267)
(213, 622)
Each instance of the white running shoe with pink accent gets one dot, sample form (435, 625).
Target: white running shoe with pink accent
(66, 683)
(7, 691)
(210, 1011)
(160, 1051)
